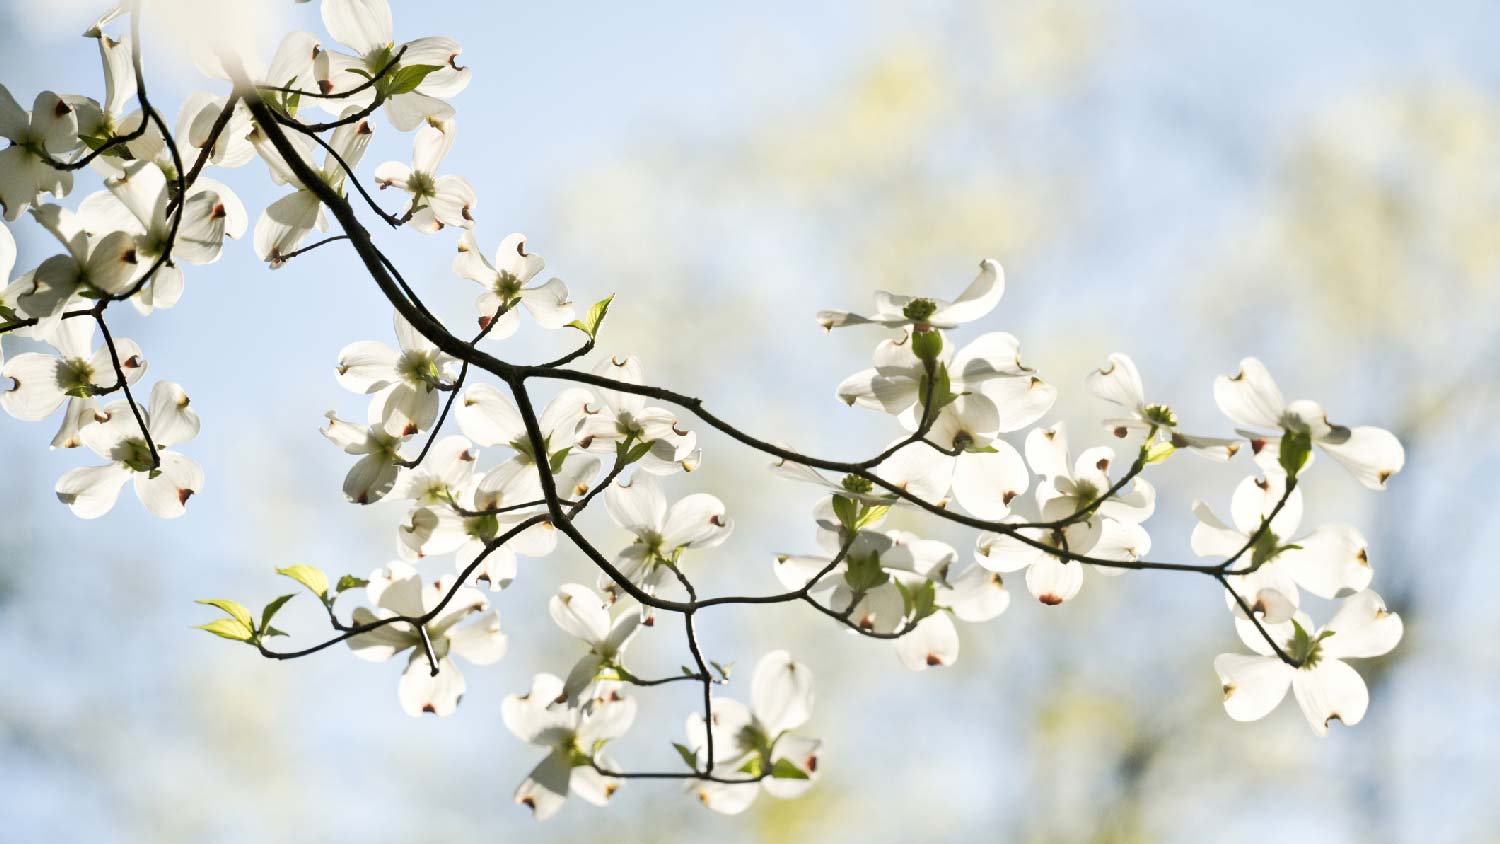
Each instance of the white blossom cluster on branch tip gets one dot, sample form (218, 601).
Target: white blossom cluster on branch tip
(478, 505)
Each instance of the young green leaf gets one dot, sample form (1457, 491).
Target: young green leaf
(1158, 451)
(847, 511)
(271, 609)
(314, 579)
(405, 79)
(784, 769)
(864, 573)
(590, 324)
(688, 757)
(227, 628)
(870, 514)
(235, 610)
(752, 767)
(920, 601)
(556, 462)
(349, 581)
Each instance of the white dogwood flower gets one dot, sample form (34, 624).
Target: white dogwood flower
(442, 475)
(1329, 562)
(397, 590)
(1119, 382)
(136, 202)
(1050, 578)
(1325, 687)
(1251, 398)
(101, 122)
(404, 383)
(1071, 486)
(489, 418)
(287, 221)
(662, 532)
(91, 491)
(414, 89)
(372, 476)
(42, 382)
(990, 364)
(105, 263)
(504, 284)
(756, 741)
(436, 201)
(621, 417)
(487, 507)
(575, 734)
(47, 132)
(895, 311)
(233, 146)
(582, 614)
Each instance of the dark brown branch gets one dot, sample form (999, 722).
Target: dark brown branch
(124, 385)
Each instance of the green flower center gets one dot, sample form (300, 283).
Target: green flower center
(133, 453)
(76, 377)
(626, 425)
(856, 484)
(1305, 648)
(919, 310)
(506, 286)
(422, 184)
(418, 368)
(1159, 414)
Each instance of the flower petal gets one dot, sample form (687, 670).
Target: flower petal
(1253, 685)
(1372, 455)
(1329, 691)
(177, 479)
(781, 692)
(985, 483)
(1250, 397)
(932, 643)
(91, 491)
(1362, 627)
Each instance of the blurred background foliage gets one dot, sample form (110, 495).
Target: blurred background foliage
(1188, 184)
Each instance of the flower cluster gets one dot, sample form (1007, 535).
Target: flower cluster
(956, 406)
(971, 447)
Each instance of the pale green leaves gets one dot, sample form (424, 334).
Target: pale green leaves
(228, 628)
(864, 573)
(590, 323)
(240, 625)
(854, 514)
(403, 79)
(235, 610)
(920, 600)
(785, 769)
(626, 453)
(1156, 451)
(314, 579)
(408, 78)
